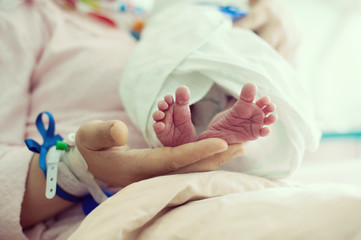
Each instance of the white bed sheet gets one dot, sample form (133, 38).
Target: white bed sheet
(337, 160)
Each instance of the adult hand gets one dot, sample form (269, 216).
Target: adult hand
(272, 23)
(102, 146)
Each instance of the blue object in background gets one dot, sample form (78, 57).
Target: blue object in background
(123, 8)
(234, 12)
(332, 135)
(136, 35)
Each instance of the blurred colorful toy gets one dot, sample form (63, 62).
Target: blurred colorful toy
(114, 13)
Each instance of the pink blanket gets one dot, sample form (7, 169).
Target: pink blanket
(224, 205)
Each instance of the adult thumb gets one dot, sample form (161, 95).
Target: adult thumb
(99, 135)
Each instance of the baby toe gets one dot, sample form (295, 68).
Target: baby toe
(248, 93)
(264, 131)
(162, 105)
(158, 127)
(269, 108)
(263, 101)
(270, 119)
(169, 99)
(182, 95)
(158, 115)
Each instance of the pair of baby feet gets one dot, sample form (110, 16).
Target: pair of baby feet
(246, 120)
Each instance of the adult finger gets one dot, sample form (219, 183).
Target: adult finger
(254, 20)
(98, 135)
(132, 165)
(288, 46)
(271, 34)
(253, 2)
(213, 162)
(282, 48)
(165, 160)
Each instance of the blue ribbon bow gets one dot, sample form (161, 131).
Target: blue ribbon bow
(48, 136)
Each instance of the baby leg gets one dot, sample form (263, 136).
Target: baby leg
(173, 125)
(245, 120)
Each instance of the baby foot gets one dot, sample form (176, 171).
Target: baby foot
(245, 120)
(173, 125)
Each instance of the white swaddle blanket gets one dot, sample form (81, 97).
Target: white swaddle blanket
(196, 45)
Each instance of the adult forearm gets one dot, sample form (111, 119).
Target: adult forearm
(36, 207)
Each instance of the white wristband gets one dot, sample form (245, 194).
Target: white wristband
(52, 159)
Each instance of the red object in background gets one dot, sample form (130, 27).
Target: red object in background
(71, 2)
(103, 19)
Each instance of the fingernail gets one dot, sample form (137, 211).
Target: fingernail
(111, 131)
(219, 151)
(237, 153)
